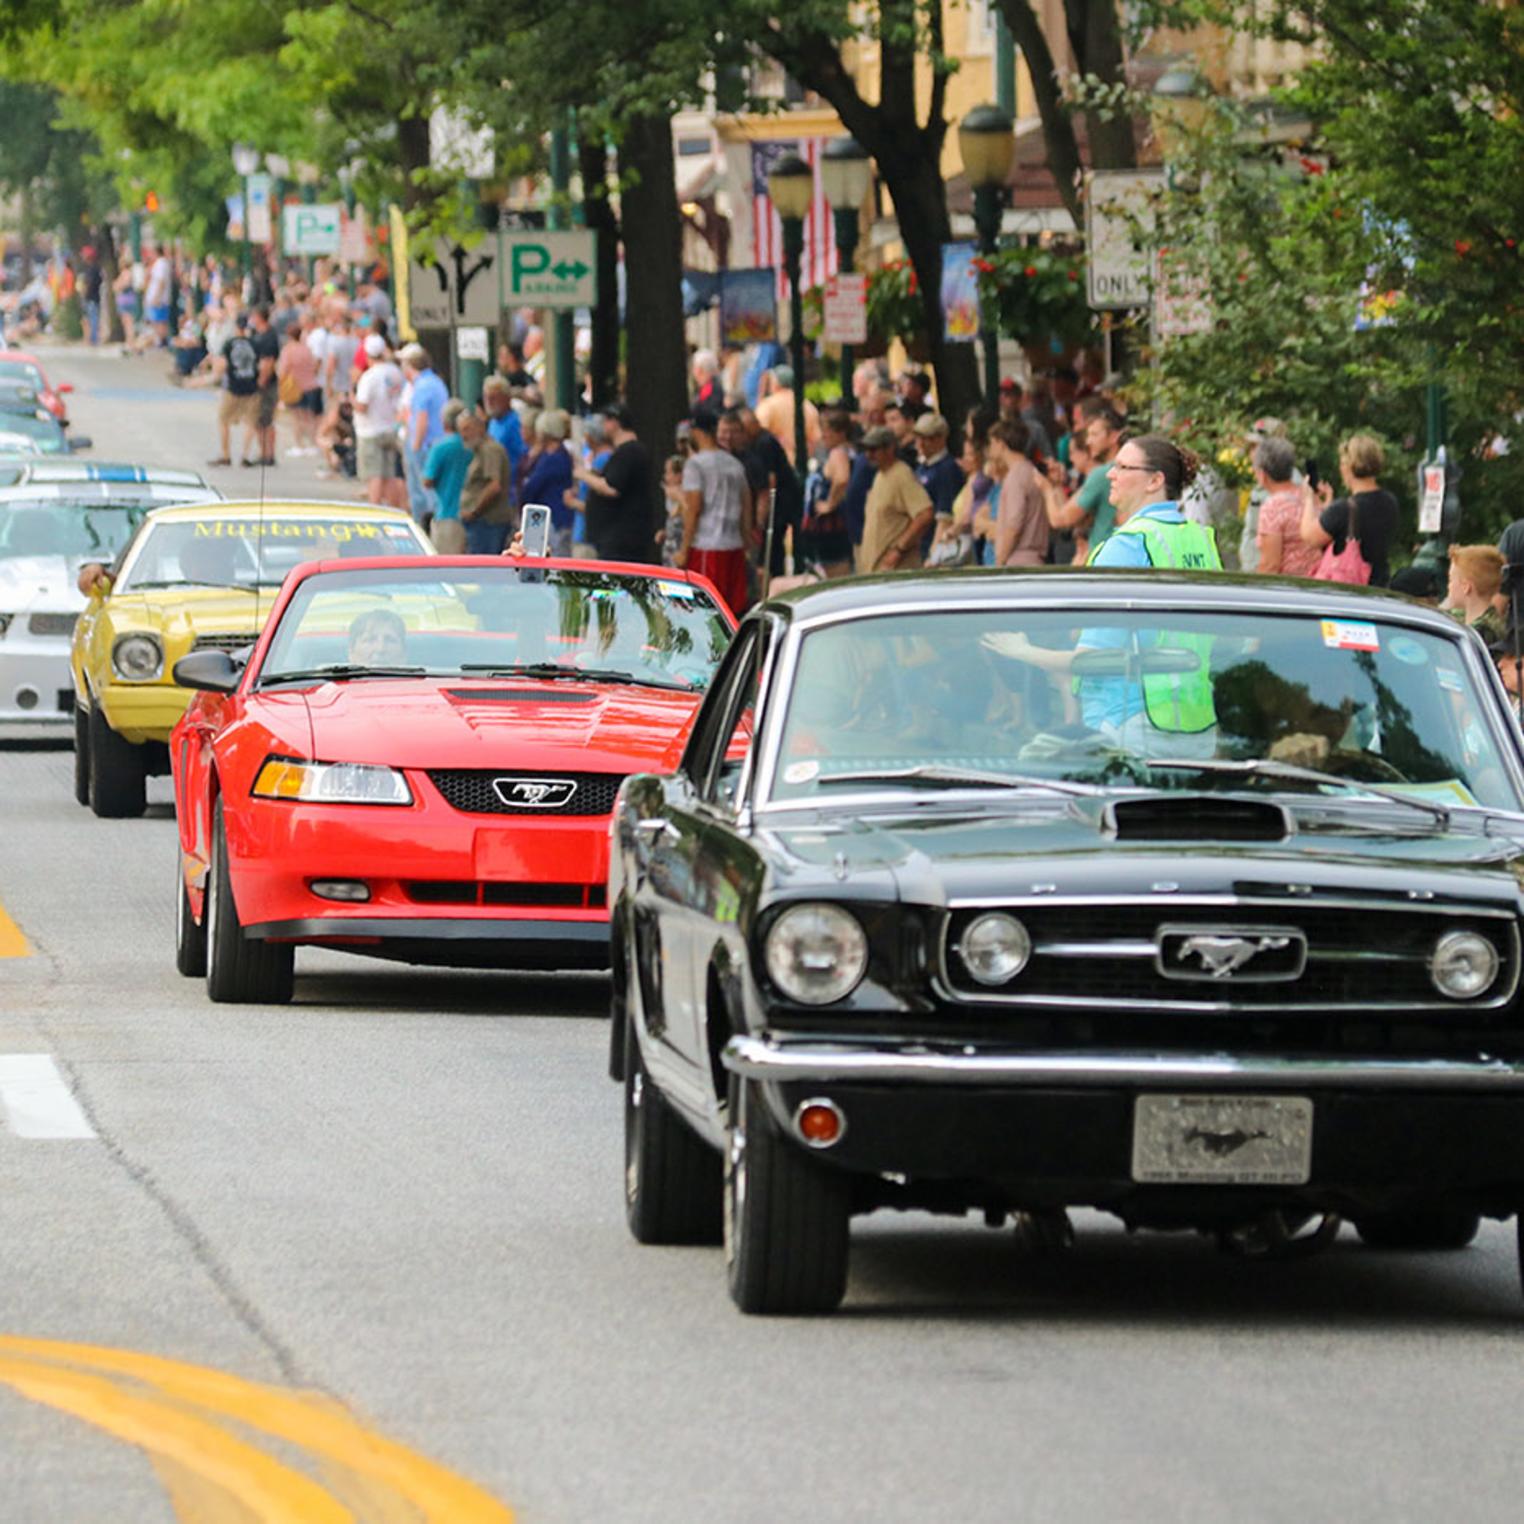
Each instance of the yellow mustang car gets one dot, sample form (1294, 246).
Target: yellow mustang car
(193, 577)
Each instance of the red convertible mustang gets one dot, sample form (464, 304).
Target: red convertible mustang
(419, 761)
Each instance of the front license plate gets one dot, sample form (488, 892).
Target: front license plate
(1222, 1140)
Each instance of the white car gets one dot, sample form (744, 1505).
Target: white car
(56, 517)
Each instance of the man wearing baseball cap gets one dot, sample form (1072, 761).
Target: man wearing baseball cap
(376, 399)
(899, 509)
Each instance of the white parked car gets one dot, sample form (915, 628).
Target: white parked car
(54, 517)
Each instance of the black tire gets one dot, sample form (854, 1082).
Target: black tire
(1437, 1227)
(118, 772)
(190, 939)
(786, 1218)
(81, 756)
(238, 971)
(673, 1181)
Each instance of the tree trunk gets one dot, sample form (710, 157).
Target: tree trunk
(1095, 36)
(656, 362)
(111, 317)
(603, 362)
(412, 154)
(1057, 128)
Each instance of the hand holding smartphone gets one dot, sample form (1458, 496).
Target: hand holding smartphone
(536, 529)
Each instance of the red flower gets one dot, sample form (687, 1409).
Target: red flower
(1030, 270)
(1511, 244)
(1462, 247)
(912, 283)
(1310, 166)
(1074, 275)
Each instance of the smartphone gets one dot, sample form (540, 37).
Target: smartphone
(536, 529)
(1311, 472)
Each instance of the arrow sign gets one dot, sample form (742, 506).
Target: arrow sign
(553, 270)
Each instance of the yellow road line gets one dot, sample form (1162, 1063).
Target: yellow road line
(274, 1493)
(310, 1422)
(12, 943)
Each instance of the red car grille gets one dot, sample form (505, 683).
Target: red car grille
(480, 791)
(467, 891)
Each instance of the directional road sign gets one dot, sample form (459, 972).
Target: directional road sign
(556, 270)
(1119, 228)
(458, 289)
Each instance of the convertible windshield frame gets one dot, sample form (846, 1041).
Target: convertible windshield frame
(1091, 609)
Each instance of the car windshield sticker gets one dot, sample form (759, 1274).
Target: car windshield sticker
(1405, 648)
(1450, 680)
(801, 772)
(676, 589)
(1450, 791)
(297, 529)
(1350, 635)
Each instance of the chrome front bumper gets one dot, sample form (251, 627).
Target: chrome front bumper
(785, 1060)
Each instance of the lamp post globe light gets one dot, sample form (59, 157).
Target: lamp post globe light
(987, 144)
(846, 172)
(791, 185)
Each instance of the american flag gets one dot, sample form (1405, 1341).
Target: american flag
(767, 228)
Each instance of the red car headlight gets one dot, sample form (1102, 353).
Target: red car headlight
(331, 782)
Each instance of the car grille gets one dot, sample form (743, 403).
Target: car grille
(476, 792)
(1359, 957)
(487, 892)
(51, 624)
(228, 642)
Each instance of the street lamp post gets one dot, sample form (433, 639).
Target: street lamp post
(245, 162)
(791, 185)
(845, 174)
(987, 144)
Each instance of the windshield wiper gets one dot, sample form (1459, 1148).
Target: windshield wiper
(1265, 767)
(958, 777)
(339, 670)
(578, 674)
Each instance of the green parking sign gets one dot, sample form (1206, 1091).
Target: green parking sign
(556, 270)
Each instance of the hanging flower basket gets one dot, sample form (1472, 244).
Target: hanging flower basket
(1038, 295)
(894, 307)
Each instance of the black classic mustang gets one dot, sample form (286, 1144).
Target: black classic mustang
(1188, 897)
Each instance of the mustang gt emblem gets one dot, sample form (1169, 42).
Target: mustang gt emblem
(1221, 1144)
(535, 793)
(1212, 954)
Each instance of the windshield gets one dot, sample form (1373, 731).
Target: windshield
(45, 433)
(245, 551)
(23, 371)
(54, 527)
(502, 619)
(1082, 698)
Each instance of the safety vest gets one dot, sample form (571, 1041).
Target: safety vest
(1178, 702)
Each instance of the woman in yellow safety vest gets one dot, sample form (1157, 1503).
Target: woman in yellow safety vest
(1163, 712)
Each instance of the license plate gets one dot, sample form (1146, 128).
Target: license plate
(1222, 1140)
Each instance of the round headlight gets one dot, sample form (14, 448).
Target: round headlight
(816, 953)
(995, 948)
(1464, 964)
(137, 657)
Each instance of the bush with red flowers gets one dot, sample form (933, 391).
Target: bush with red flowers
(1038, 295)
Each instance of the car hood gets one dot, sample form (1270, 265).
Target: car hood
(41, 584)
(185, 612)
(937, 854)
(563, 726)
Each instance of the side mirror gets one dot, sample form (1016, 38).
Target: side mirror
(94, 581)
(78, 442)
(64, 387)
(208, 671)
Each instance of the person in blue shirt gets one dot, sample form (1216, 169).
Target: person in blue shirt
(425, 424)
(550, 476)
(1160, 713)
(444, 473)
(502, 422)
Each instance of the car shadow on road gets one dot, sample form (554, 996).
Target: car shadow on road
(452, 992)
(1112, 1279)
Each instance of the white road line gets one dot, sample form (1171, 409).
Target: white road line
(36, 1101)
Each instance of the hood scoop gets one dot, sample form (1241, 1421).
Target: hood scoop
(520, 696)
(1197, 817)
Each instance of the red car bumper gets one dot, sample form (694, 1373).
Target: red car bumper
(444, 886)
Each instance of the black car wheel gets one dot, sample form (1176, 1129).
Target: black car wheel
(1437, 1227)
(81, 755)
(672, 1179)
(238, 971)
(190, 938)
(117, 770)
(786, 1218)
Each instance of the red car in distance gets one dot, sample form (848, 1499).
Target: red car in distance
(18, 368)
(419, 760)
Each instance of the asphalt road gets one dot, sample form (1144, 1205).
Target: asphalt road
(404, 1192)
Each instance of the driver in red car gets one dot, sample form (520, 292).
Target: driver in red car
(377, 638)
